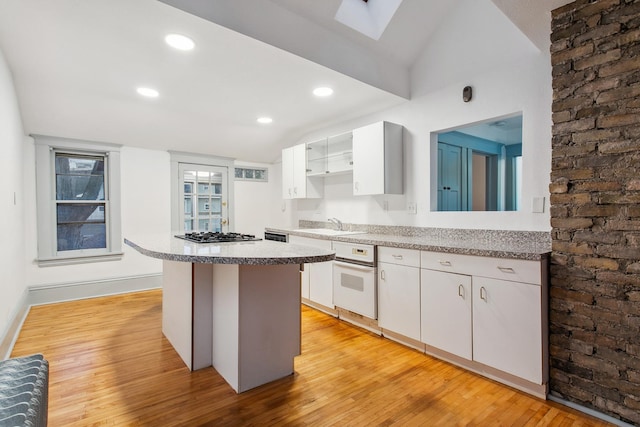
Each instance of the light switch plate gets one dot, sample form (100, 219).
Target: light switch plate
(537, 205)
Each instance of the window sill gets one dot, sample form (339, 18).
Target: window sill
(82, 259)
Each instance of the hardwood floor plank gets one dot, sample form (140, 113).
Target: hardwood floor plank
(111, 365)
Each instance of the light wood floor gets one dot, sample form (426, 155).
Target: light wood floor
(110, 365)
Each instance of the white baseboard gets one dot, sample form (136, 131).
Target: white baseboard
(13, 328)
(60, 292)
(589, 411)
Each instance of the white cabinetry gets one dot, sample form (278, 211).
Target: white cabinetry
(317, 279)
(446, 311)
(399, 291)
(507, 329)
(330, 156)
(295, 183)
(490, 311)
(378, 159)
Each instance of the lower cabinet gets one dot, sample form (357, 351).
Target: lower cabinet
(487, 320)
(446, 312)
(317, 278)
(399, 292)
(507, 327)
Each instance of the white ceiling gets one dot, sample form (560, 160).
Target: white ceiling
(76, 64)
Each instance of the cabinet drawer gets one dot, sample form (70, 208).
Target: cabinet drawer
(399, 256)
(515, 270)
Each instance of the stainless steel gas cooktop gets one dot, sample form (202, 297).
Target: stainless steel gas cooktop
(217, 237)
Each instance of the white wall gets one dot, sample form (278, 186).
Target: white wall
(145, 209)
(12, 224)
(508, 75)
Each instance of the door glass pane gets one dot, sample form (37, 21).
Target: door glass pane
(188, 206)
(188, 225)
(216, 205)
(203, 225)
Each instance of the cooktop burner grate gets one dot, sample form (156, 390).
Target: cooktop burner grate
(217, 237)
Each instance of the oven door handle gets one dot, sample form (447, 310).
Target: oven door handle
(363, 268)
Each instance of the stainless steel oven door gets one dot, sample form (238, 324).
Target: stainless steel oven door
(354, 288)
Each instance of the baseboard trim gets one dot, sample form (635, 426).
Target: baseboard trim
(15, 325)
(589, 411)
(60, 292)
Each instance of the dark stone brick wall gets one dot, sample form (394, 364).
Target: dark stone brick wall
(595, 206)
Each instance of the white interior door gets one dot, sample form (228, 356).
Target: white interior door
(204, 191)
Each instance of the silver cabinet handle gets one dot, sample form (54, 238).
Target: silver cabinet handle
(382, 275)
(461, 291)
(483, 294)
(397, 256)
(506, 269)
(445, 263)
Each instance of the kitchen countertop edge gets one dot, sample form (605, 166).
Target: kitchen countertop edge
(424, 244)
(266, 258)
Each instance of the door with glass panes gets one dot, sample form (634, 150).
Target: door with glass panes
(204, 191)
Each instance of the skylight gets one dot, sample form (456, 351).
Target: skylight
(370, 18)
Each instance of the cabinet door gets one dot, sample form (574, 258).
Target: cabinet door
(507, 327)
(299, 171)
(399, 299)
(368, 159)
(287, 173)
(317, 278)
(446, 311)
(321, 283)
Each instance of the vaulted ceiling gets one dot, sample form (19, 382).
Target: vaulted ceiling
(76, 65)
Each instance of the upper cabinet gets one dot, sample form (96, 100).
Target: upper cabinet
(330, 156)
(378, 159)
(374, 153)
(295, 183)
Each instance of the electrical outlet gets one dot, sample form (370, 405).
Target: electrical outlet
(412, 208)
(537, 205)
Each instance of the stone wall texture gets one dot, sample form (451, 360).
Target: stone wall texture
(595, 206)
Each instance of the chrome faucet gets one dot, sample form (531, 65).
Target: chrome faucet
(336, 222)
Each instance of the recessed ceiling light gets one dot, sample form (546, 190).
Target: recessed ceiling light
(265, 120)
(148, 92)
(179, 41)
(323, 91)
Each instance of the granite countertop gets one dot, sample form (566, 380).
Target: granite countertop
(168, 247)
(526, 245)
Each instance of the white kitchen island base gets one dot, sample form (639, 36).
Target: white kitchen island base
(244, 320)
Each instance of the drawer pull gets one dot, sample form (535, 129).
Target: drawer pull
(483, 294)
(397, 256)
(445, 263)
(506, 270)
(461, 291)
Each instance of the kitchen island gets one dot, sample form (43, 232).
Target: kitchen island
(234, 305)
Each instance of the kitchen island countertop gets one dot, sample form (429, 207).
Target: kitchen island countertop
(261, 252)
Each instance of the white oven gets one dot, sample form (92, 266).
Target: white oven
(354, 278)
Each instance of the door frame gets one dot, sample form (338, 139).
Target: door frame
(178, 157)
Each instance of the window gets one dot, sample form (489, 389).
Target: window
(78, 201)
(251, 174)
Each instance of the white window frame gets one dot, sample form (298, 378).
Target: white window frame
(46, 148)
(265, 173)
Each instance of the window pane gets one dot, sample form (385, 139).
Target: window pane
(79, 177)
(248, 173)
(259, 174)
(239, 172)
(81, 236)
(81, 226)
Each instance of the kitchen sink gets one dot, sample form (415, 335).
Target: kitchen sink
(328, 231)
